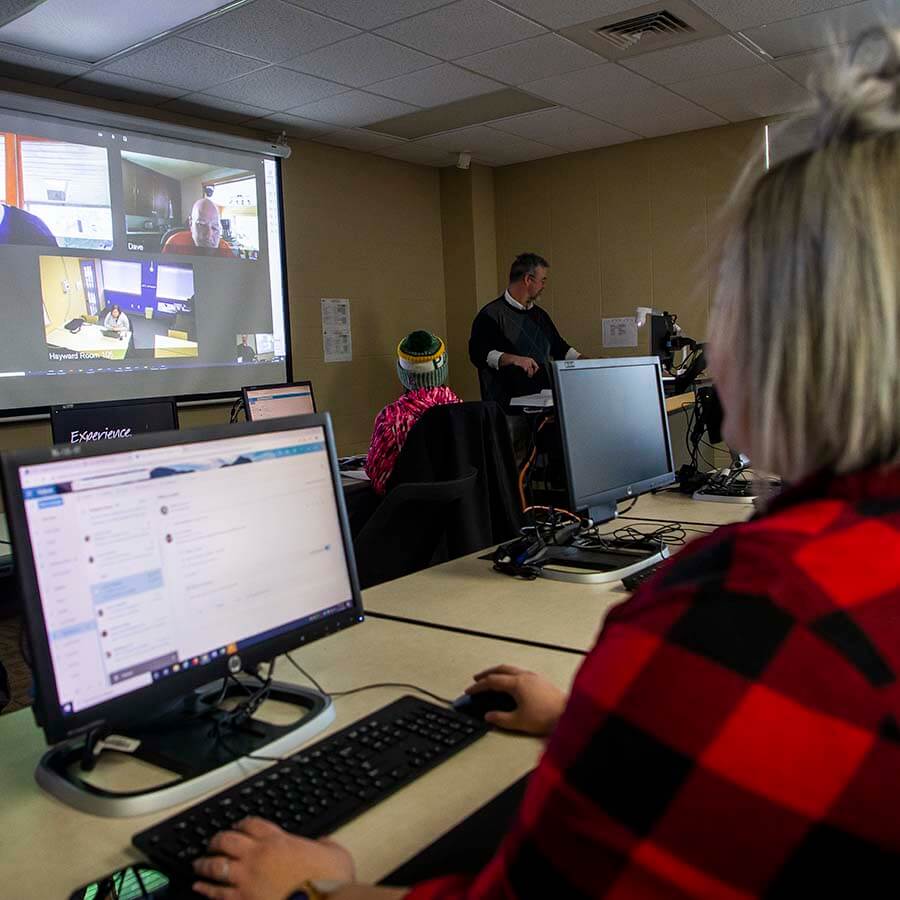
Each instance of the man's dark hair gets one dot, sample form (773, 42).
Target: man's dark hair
(525, 264)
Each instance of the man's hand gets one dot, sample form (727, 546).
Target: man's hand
(539, 703)
(526, 363)
(259, 861)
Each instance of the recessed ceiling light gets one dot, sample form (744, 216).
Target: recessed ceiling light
(92, 30)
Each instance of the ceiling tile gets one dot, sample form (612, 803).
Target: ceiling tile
(120, 87)
(461, 29)
(270, 30)
(182, 63)
(718, 54)
(746, 93)
(531, 59)
(490, 146)
(37, 67)
(369, 13)
(562, 13)
(206, 107)
(564, 129)
(434, 86)
(419, 153)
(295, 126)
(361, 60)
(805, 66)
(740, 14)
(353, 108)
(356, 139)
(623, 98)
(276, 88)
(822, 29)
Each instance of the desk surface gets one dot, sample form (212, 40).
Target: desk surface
(50, 849)
(467, 595)
(672, 506)
(91, 339)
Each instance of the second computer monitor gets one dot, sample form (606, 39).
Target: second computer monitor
(272, 401)
(615, 431)
(87, 422)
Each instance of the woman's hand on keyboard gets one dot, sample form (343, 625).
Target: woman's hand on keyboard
(259, 861)
(539, 702)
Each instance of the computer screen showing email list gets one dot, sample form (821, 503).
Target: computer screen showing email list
(149, 559)
(283, 402)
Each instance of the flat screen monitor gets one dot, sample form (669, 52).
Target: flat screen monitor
(615, 431)
(84, 422)
(135, 266)
(153, 566)
(274, 400)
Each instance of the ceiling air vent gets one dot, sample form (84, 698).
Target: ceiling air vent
(629, 32)
(653, 26)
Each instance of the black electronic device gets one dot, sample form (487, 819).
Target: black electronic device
(666, 339)
(317, 789)
(477, 706)
(636, 579)
(84, 422)
(190, 558)
(137, 882)
(616, 446)
(268, 401)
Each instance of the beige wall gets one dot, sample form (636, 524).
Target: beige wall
(366, 228)
(622, 226)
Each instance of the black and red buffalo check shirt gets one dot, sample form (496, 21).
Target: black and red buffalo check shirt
(734, 731)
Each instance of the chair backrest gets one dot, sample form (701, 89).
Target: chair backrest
(449, 439)
(406, 529)
(170, 233)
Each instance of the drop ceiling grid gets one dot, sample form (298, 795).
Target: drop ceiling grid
(225, 63)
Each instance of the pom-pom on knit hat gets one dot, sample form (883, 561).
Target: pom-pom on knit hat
(421, 361)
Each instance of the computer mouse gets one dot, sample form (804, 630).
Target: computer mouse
(478, 705)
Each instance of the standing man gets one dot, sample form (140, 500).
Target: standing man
(513, 339)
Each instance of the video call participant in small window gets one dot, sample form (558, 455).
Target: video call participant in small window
(116, 320)
(20, 227)
(245, 353)
(205, 235)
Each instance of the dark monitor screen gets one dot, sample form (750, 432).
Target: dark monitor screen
(85, 422)
(151, 565)
(614, 427)
(271, 401)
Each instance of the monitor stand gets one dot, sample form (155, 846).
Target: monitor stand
(184, 743)
(582, 565)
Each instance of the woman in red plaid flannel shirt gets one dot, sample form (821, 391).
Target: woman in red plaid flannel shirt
(735, 731)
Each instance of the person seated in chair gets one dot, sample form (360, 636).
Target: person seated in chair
(205, 235)
(735, 730)
(422, 368)
(116, 320)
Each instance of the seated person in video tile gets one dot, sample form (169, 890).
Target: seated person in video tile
(244, 352)
(116, 320)
(205, 237)
(20, 227)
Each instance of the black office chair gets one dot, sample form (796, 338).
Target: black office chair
(405, 531)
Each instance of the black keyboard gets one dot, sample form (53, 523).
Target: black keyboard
(633, 581)
(319, 788)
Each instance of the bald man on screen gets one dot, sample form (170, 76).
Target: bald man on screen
(205, 237)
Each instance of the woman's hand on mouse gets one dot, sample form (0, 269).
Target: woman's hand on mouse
(539, 702)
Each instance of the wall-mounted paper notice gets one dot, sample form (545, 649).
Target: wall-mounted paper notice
(620, 332)
(336, 334)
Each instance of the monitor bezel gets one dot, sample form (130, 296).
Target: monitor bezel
(56, 411)
(144, 704)
(628, 490)
(268, 387)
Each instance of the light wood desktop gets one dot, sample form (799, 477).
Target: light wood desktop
(468, 595)
(672, 506)
(90, 339)
(165, 346)
(50, 849)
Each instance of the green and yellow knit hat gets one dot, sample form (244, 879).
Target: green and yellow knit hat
(421, 361)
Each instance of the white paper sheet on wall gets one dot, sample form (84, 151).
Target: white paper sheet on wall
(337, 337)
(621, 332)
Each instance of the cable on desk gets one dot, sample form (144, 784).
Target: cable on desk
(365, 687)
